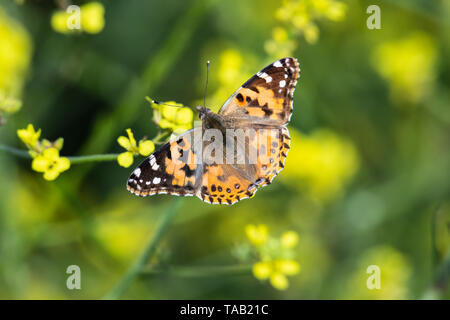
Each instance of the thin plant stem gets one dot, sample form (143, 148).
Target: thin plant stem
(201, 272)
(148, 252)
(14, 151)
(73, 160)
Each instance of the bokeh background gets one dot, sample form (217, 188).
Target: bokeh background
(366, 181)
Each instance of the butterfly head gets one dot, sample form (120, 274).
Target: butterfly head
(202, 112)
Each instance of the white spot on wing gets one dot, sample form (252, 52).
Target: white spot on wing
(282, 83)
(277, 64)
(137, 172)
(156, 180)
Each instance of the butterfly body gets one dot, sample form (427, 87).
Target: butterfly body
(235, 151)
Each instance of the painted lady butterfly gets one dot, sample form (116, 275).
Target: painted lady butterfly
(264, 105)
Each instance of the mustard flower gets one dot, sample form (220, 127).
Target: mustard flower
(302, 15)
(91, 19)
(256, 234)
(275, 256)
(50, 163)
(45, 153)
(172, 116)
(145, 147)
(276, 271)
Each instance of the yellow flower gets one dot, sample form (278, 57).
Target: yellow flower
(29, 136)
(262, 270)
(279, 281)
(277, 271)
(256, 234)
(287, 267)
(50, 163)
(59, 20)
(92, 17)
(302, 15)
(274, 255)
(281, 44)
(171, 115)
(145, 147)
(15, 54)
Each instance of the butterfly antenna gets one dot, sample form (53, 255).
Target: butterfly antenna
(206, 86)
(166, 104)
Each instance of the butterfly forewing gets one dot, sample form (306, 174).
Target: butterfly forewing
(175, 168)
(267, 97)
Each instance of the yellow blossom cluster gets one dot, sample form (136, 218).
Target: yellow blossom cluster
(275, 255)
(172, 116)
(144, 148)
(300, 17)
(45, 154)
(90, 18)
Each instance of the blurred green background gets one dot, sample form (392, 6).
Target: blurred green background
(366, 180)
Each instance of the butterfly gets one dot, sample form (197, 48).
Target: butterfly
(263, 106)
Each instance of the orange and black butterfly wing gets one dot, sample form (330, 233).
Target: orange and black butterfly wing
(230, 183)
(174, 168)
(266, 98)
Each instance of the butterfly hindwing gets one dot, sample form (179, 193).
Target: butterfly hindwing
(230, 183)
(266, 98)
(173, 169)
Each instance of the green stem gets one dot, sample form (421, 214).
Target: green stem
(201, 272)
(148, 252)
(93, 158)
(73, 160)
(14, 151)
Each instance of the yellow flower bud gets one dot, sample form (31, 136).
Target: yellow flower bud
(29, 136)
